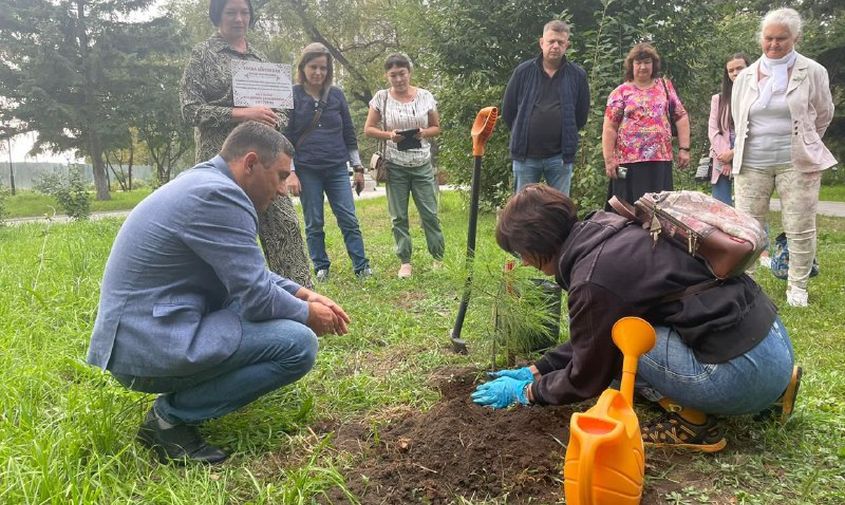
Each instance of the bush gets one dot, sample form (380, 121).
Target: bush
(4, 193)
(69, 191)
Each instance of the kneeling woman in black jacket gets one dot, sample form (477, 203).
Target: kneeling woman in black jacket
(721, 351)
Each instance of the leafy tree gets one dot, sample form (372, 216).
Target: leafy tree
(67, 67)
(121, 161)
(359, 34)
(168, 140)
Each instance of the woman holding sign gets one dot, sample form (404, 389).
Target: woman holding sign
(208, 104)
(321, 129)
(405, 117)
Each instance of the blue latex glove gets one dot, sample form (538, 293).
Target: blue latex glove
(523, 374)
(501, 393)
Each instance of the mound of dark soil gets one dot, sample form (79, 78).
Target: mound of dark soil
(460, 449)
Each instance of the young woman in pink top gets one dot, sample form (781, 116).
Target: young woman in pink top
(721, 130)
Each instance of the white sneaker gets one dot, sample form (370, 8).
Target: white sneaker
(796, 297)
(404, 271)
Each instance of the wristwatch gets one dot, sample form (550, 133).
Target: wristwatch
(683, 149)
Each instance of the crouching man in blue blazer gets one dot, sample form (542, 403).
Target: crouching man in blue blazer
(188, 308)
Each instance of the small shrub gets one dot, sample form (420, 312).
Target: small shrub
(69, 191)
(525, 318)
(4, 193)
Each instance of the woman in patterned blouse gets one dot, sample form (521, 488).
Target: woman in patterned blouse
(207, 103)
(407, 108)
(637, 134)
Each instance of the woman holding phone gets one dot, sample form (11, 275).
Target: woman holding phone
(405, 117)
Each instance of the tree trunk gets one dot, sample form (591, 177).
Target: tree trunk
(131, 159)
(101, 182)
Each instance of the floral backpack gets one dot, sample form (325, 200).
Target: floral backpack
(727, 240)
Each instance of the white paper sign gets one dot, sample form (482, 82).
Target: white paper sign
(261, 84)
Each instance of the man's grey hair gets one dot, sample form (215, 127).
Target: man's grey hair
(785, 16)
(557, 25)
(253, 136)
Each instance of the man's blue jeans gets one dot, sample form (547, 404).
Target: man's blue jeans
(746, 384)
(530, 170)
(334, 184)
(272, 354)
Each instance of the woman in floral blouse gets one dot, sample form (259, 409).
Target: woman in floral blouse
(637, 134)
(207, 103)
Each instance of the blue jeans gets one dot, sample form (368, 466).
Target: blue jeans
(334, 183)
(556, 173)
(722, 190)
(746, 384)
(272, 354)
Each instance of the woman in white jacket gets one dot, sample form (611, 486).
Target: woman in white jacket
(781, 107)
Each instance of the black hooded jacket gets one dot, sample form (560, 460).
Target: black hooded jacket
(611, 269)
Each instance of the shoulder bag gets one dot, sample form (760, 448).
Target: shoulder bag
(670, 109)
(377, 161)
(704, 170)
(316, 119)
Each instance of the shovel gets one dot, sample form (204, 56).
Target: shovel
(482, 129)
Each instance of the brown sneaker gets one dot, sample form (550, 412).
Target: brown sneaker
(784, 406)
(787, 401)
(671, 430)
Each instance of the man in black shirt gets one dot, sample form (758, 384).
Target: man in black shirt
(545, 104)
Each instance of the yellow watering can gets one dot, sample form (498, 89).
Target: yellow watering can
(605, 462)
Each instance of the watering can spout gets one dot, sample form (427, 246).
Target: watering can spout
(634, 337)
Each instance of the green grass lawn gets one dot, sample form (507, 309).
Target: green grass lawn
(832, 194)
(67, 430)
(31, 203)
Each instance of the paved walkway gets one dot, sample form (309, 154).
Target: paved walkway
(371, 191)
(833, 209)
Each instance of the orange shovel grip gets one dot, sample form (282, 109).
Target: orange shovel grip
(482, 129)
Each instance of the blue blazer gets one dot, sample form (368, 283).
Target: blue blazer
(184, 269)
